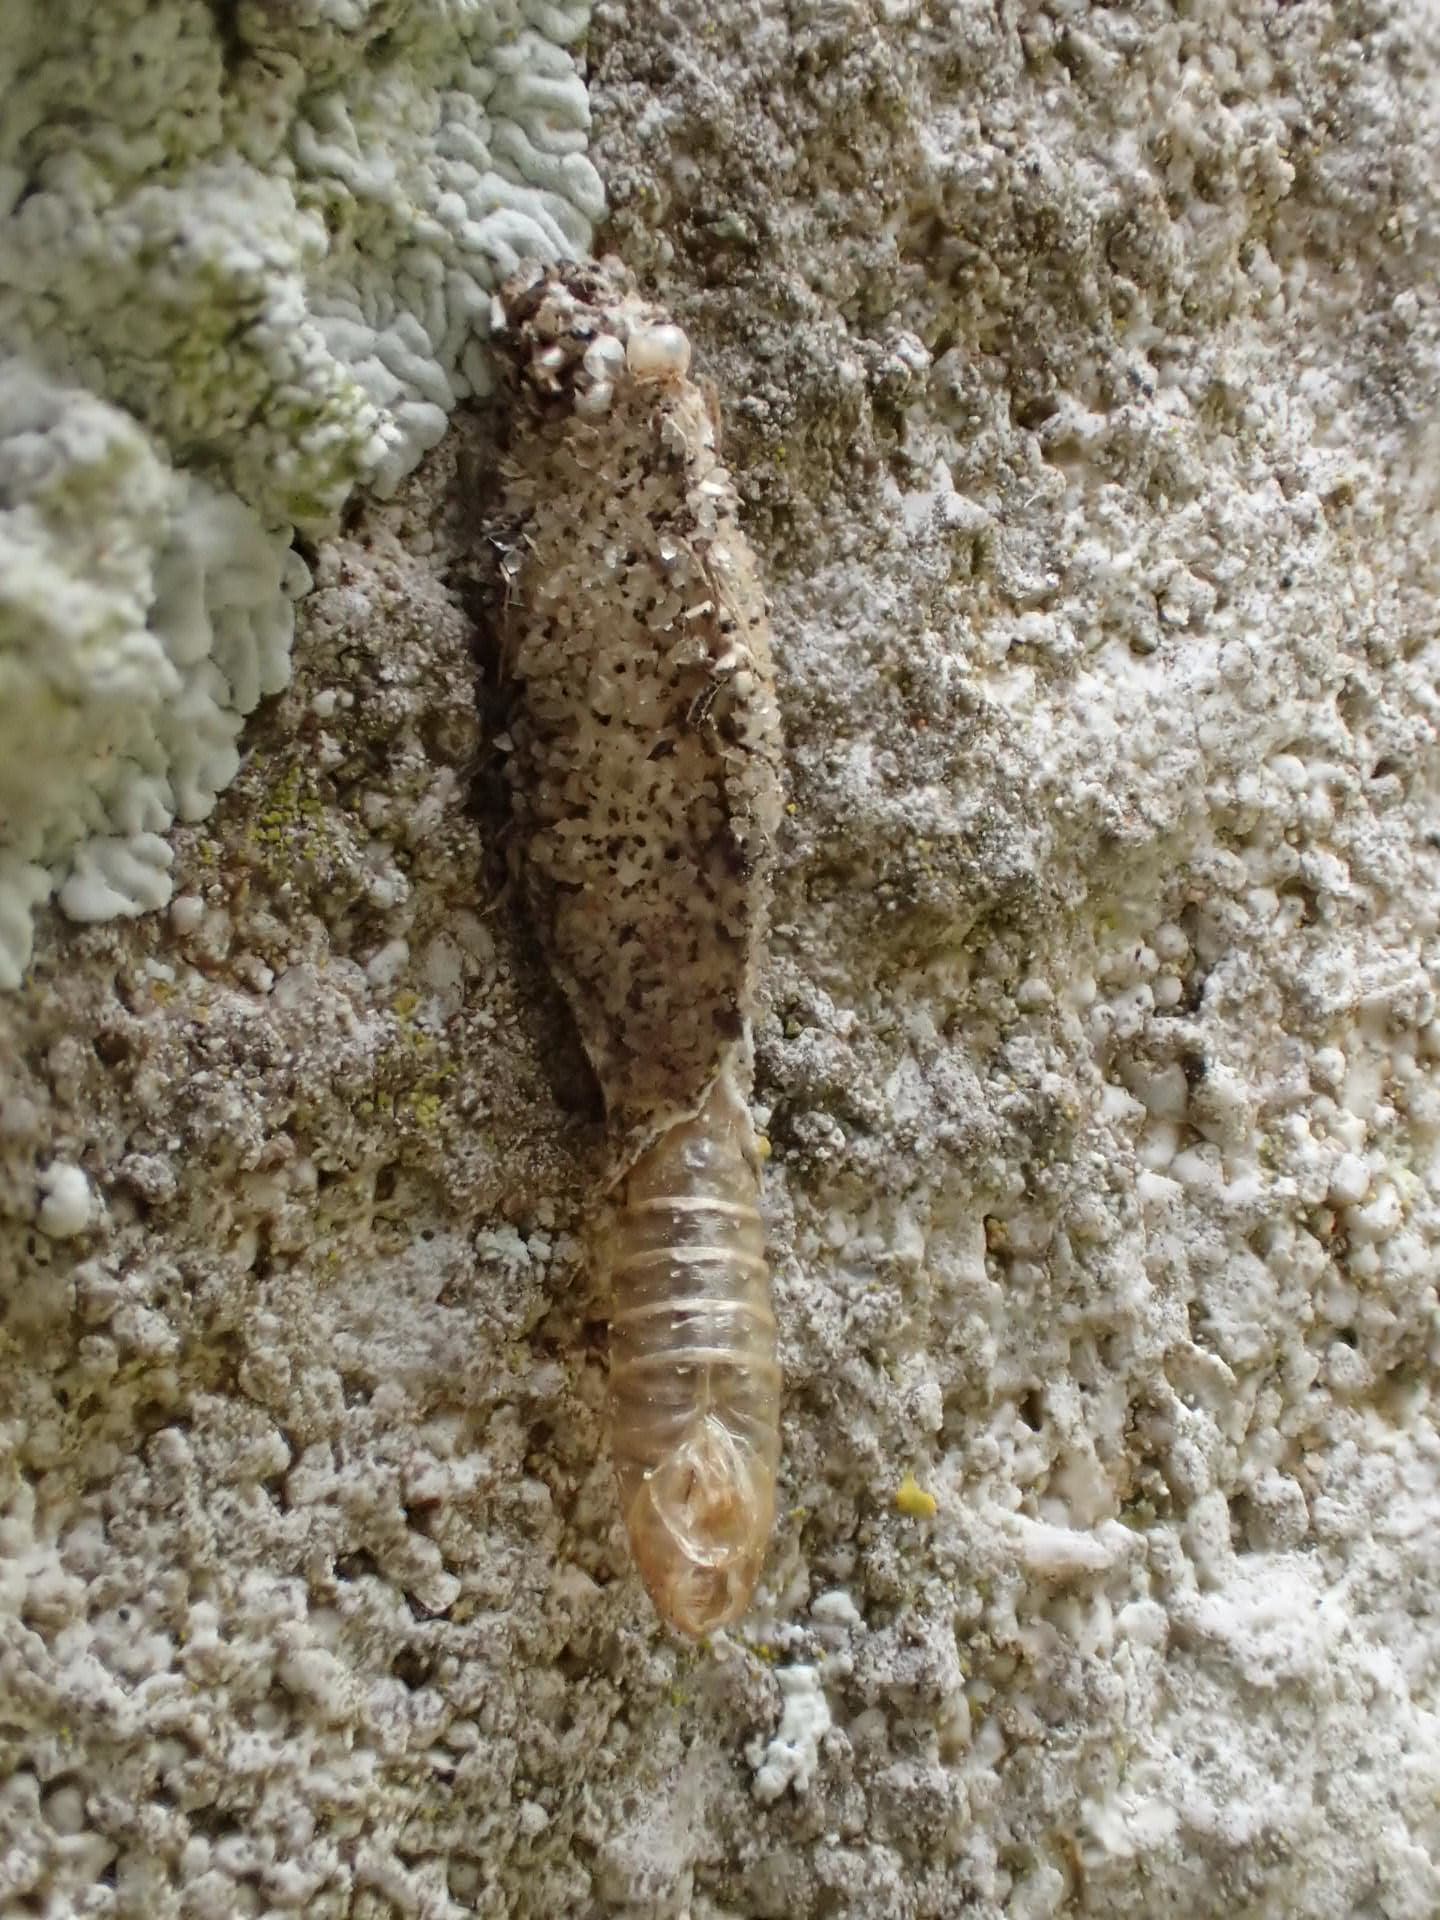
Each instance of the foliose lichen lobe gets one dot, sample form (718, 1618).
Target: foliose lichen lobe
(646, 740)
(246, 260)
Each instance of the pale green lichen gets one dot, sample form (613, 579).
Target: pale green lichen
(272, 240)
(141, 616)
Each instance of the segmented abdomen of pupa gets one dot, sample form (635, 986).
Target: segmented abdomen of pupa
(644, 770)
(694, 1378)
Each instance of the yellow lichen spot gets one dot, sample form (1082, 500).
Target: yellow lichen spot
(763, 1148)
(404, 1004)
(913, 1501)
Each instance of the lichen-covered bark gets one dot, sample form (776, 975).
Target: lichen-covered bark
(1079, 371)
(257, 244)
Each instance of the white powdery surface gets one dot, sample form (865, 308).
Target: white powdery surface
(259, 243)
(1079, 378)
(1083, 366)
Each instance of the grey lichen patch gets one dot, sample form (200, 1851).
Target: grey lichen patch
(247, 256)
(645, 737)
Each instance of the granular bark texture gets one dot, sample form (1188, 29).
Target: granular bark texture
(1079, 369)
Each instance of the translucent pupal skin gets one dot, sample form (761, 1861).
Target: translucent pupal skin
(694, 1377)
